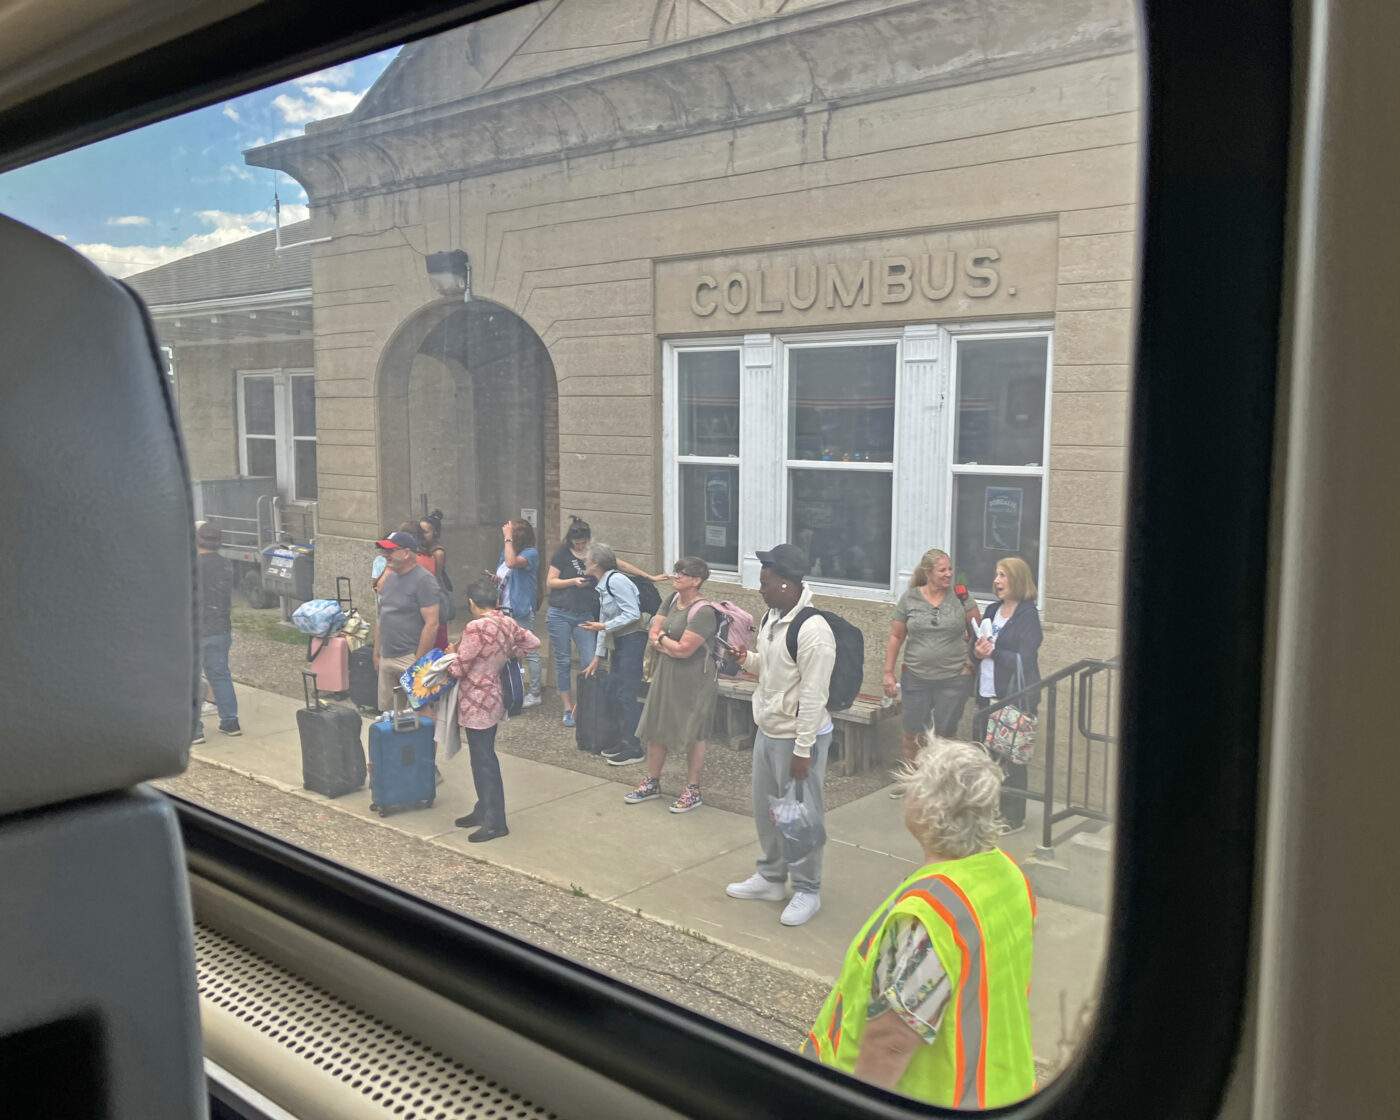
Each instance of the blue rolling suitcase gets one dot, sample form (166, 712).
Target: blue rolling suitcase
(401, 762)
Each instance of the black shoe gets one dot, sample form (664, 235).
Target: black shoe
(628, 757)
(613, 752)
(471, 820)
(490, 832)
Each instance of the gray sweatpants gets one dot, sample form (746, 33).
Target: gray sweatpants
(771, 758)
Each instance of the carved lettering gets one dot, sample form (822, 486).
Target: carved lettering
(836, 288)
(896, 279)
(931, 276)
(804, 300)
(708, 308)
(735, 306)
(983, 280)
(947, 260)
(761, 304)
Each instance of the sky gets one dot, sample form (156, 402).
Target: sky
(178, 187)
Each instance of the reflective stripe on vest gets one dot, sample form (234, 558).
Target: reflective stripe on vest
(972, 1046)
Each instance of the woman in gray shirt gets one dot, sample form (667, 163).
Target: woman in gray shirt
(931, 624)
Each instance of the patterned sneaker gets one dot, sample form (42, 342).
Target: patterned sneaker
(649, 790)
(687, 801)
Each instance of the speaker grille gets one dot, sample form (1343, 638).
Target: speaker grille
(406, 1078)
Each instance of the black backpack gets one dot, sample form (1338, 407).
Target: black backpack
(849, 668)
(648, 598)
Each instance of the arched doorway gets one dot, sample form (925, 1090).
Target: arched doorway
(469, 417)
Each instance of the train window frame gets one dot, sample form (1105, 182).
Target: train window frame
(1217, 114)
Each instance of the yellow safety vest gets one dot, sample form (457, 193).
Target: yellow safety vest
(979, 912)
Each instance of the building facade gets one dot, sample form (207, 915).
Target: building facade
(857, 275)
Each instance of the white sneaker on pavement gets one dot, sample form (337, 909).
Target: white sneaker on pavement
(756, 886)
(803, 905)
(532, 700)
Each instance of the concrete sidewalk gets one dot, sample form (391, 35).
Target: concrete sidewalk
(575, 831)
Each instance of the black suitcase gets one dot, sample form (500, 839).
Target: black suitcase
(595, 722)
(364, 681)
(332, 755)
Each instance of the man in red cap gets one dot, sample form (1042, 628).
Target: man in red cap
(408, 614)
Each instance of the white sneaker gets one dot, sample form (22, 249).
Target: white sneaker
(756, 886)
(532, 700)
(803, 905)
(210, 708)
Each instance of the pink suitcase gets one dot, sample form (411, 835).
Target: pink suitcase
(331, 664)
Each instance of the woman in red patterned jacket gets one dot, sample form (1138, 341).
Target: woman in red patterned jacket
(487, 642)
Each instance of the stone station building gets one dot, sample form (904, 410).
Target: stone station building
(856, 274)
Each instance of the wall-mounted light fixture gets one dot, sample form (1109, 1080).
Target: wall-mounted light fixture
(451, 273)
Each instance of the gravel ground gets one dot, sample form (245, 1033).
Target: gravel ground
(538, 734)
(753, 995)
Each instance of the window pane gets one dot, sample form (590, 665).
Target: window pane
(304, 405)
(262, 458)
(259, 412)
(994, 516)
(841, 519)
(710, 514)
(707, 385)
(1001, 401)
(841, 403)
(306, 469)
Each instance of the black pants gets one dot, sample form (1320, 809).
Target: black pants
(624, 679)
(1014, 775)
(486, 776)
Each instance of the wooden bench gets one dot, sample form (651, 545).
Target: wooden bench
(854, 734)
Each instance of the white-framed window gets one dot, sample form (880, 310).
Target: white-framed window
(864, 447)
(277, 429)
(1000, 444)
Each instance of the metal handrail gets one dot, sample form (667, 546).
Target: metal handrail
(1082, 672)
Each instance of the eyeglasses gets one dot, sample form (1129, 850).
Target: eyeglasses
(935, 611)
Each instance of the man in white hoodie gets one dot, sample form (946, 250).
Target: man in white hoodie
(794, 728)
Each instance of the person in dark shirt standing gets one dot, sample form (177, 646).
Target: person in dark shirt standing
(215, 592)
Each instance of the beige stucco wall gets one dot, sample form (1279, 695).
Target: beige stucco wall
(587, 250)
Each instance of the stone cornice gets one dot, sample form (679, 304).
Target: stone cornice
(752, 73)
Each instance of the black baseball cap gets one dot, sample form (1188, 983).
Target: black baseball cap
(786, 559)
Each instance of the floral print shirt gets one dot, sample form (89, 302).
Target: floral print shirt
(486, 644)
(909, 978)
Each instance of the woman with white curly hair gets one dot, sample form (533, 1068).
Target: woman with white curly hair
(931, 1001)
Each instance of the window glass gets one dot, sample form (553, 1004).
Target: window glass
(709, 515)
(303, 406)
(708, 405)
(262, 458)
(872, 300)
(1001, 401)
(841, 520)
(306, 470)
(259, 407)
(841, 403)
(994, 516)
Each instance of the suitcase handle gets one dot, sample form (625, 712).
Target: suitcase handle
(344, 600)
(313, 691)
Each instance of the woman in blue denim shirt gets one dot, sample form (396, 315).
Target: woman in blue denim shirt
(518, 580)
(619, 626)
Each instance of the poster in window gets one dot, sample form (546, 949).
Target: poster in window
(716, 536)
(717, 496)
(1001, 526)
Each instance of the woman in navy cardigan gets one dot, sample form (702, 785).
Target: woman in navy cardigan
(1015, 634)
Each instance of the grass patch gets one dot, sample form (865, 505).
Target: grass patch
(266, 624)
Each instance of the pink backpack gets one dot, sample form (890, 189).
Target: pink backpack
(734, 630)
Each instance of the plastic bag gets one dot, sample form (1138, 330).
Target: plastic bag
(427, 678)
(800, 825)
(320, 618)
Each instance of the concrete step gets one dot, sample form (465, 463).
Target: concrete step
(1080, 872)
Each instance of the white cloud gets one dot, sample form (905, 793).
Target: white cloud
(226, 227)
(239, 172)
(60, 237)
(316, 103)
(331, 76)
(232, 114)
(129, 220)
